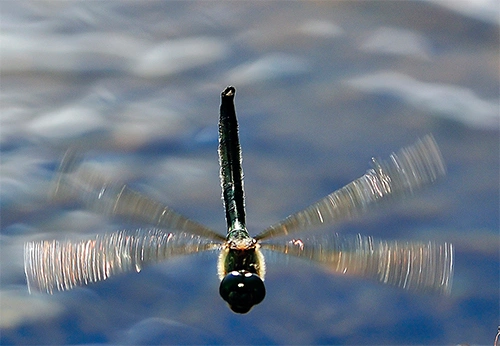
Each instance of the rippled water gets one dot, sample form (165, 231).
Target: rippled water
(321, 87)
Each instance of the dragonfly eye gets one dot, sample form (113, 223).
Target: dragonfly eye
(242, 290)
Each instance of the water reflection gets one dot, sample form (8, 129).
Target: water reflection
(67, 77)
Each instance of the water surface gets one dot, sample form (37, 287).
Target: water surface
(321, 88)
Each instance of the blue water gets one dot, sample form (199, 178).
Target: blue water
(321, 88)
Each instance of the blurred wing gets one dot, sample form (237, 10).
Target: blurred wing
(409, 265)
(108, 198)
(406, 171)
(55, 266)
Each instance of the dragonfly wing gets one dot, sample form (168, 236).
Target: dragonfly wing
(110, 198)
(410, 265)
(61, 265)
(406, 171)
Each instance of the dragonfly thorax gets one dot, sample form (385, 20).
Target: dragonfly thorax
(240, 240)
(237, 257)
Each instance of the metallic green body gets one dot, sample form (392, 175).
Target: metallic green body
(231, 174)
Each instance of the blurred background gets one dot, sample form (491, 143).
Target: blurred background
(322, 86)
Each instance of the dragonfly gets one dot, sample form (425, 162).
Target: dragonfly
(58, 265)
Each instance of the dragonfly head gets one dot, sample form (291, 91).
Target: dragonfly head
(242, 290)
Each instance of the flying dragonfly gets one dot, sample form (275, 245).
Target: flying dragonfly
(52, 265)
